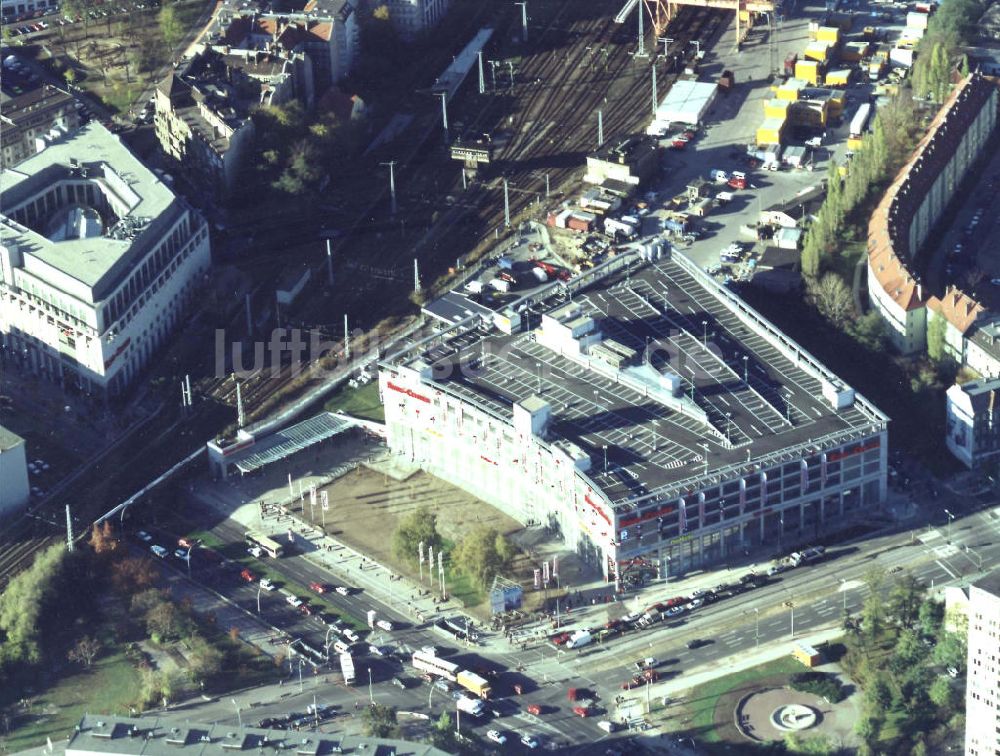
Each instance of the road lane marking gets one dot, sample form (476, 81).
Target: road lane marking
(943, 567)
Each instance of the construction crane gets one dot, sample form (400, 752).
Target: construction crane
(662, 11)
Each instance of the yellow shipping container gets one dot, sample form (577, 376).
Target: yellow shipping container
(789, 90)
(808, 70)
(829, 34)
(776, 108)
(818, 51)
(771, 131)
(837, 100)
(852, 52)
(839, 78)
(808, 114)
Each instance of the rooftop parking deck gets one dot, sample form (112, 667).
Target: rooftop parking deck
(744, 397)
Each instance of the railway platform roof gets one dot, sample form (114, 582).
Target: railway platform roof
(291, 440)
(716, 388)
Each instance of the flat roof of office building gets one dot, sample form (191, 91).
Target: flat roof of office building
(90, 152)
(696, 330)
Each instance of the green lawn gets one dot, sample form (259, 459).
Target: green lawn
(107, 687)
(361, 402)
(702, 700)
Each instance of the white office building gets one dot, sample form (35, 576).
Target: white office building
(14, 487)
(98, 259)
(982, 685)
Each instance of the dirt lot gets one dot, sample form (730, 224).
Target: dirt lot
(366, 507)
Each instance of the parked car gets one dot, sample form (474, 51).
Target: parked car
(529, 741)
(343, 591)
(350, 635)
(159, 551)
(398, 682)
(318, 587)
(294, 601)
(384, 625)
(181, 553)
(248, 576)
(496, 736)
(266, 584)
(143, 536)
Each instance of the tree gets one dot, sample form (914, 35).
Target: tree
(909, 651)
(381, 13)
(483, 554)
(380, 721)
(904, 599)
(170, 26)
(205, 659)
(944, 694)
(23, 604)
(833, 299)
(936, 338)
(869, 331)
(102, 537)
(868, 727)
(132, 575)
(878, 696)
(69, 75)
(950, 651)
(165, 621)
(929, 617)
(419, 526)
(85, 650)
(811, 254)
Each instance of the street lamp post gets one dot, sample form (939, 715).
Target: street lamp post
(951, 517)
(259, 588)
(239, 717)
(605, 459)
(704, 332)
(371, 695)
(756, 633)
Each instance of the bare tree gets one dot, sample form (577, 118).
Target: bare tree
(833, 299)
(85, 650)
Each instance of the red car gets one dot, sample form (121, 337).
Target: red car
(534, 709)
(679, 143)
(318, 587)
(248, 576)
(635, 682)
(560, 638)
(304, 608)
(581, 711)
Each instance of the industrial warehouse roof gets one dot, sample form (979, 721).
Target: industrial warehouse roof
(652, 444)
(95, 154)
(291, 440)
(156, 736)
(686, 102)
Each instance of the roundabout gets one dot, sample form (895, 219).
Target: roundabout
(771, 714)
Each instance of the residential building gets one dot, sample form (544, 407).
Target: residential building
(98, 259)
(38, 114)
(14, 486)
(412, 17)
(973, 421)
(326, 31)
(99, 735)
(911, 209)
(203, 112)
(652, 440)
(982, 682)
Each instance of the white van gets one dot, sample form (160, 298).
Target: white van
(340, 647)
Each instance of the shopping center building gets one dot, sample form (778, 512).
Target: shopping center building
(644, 414)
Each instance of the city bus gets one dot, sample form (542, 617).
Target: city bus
(435, 666)
(265, 543)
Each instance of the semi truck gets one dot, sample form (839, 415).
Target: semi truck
(347, 667)
(474, 683)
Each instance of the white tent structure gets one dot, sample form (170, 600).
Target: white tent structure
(685, 103)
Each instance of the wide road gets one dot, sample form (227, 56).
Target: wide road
(734, 626)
